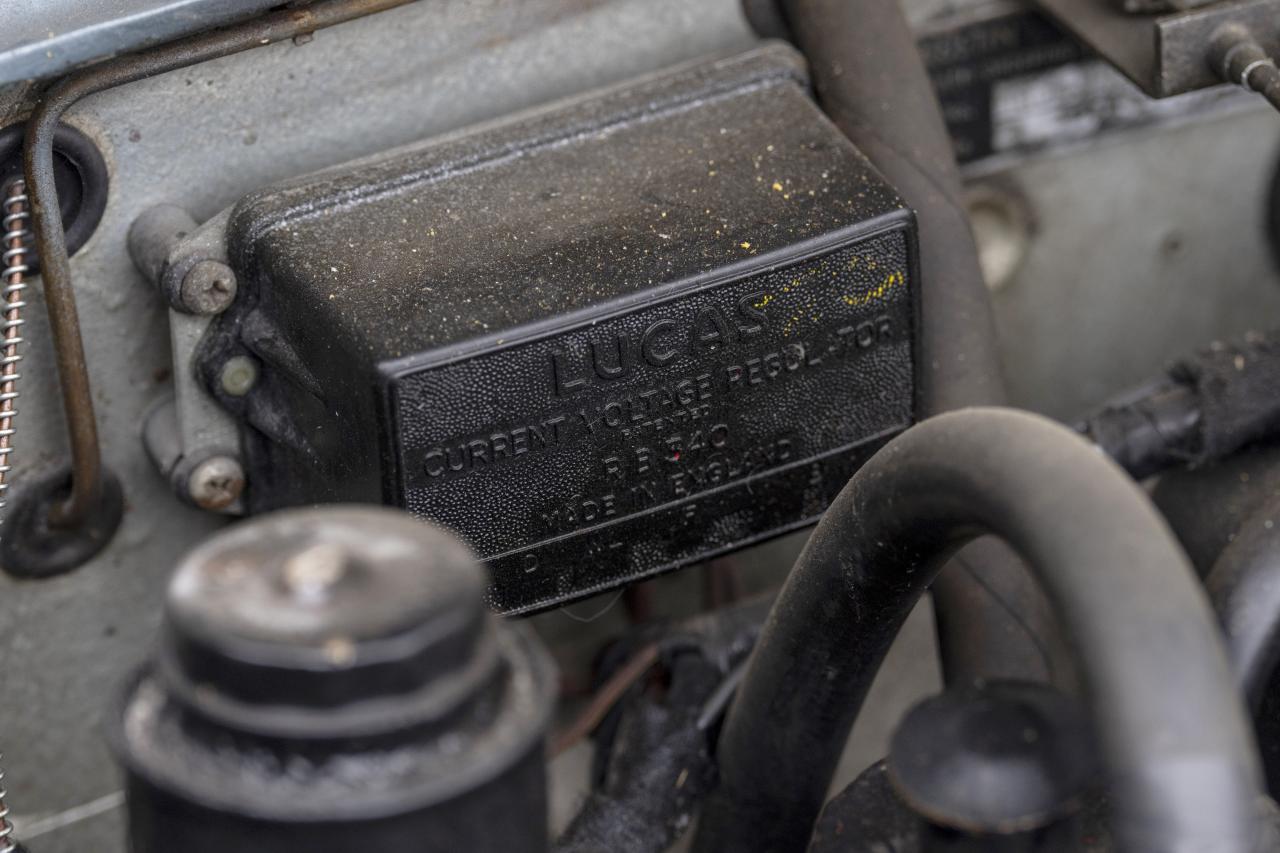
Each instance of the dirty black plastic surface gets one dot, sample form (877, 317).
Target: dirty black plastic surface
(599, 342)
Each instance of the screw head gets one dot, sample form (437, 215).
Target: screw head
(239, 375)
(216, 483)
(208, 288)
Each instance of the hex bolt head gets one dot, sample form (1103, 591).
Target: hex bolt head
(209, 287)
(216, 483)
(239, 375)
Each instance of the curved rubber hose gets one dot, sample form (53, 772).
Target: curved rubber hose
(1207, 507)
(1173, 732)
(870, 79)
(1244, 586)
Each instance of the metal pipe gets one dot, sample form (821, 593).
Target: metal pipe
(1236, 56)
(73, 372)
(870, 79)
(1173, 731)
(1244, 586)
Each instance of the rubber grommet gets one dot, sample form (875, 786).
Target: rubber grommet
(31, 548)
(80, 173)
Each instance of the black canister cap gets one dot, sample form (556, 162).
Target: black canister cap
(278, 620)
(330, 679)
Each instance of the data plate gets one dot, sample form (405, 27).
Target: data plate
(637, 442)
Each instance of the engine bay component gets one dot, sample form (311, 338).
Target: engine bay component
(8, 844)
(863, 58)
(639, 329)
(1239, 57)
(35, 546)
(68, 33)
(85, 515)
(1244, 586)
(612, 288)
(80, 174)
(1146, 639)
(1205, 407)
(328, 679)
(1002, 760)
(1166, 53)
(656, 735)
(203, 287)
(1004, 765)
(13, 274)
(1225, 513)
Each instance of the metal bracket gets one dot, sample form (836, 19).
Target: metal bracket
(1164, 54)
(193, 432)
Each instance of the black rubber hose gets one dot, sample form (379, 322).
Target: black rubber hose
(1173, 731)
(1244, 586)
(1204, 408)
(870, 79)
(1228, 518)
(1150, 430)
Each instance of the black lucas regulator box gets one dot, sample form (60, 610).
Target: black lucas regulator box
(599, 341)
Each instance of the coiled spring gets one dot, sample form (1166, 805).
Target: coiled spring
(13, 275)
(16, 238)
(7, 844)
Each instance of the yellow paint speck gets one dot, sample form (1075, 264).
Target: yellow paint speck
(744, 244)
(777, 186)
(894, 279)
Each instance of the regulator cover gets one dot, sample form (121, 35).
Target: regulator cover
(599, 341)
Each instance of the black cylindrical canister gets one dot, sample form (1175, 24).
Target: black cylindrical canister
(330, 679)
